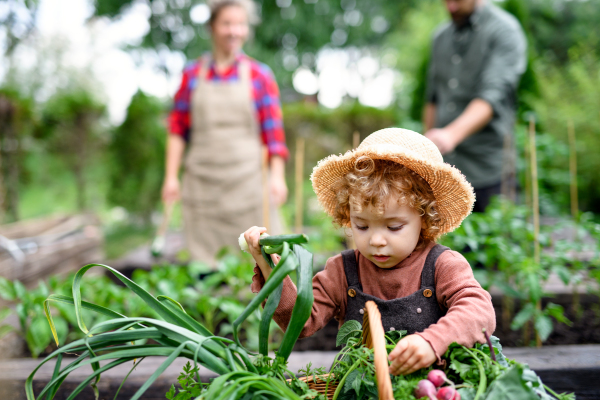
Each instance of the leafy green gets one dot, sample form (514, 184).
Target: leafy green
(511, 386)
(351, 328)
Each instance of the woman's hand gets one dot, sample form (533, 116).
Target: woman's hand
(252, 236)
(277, 188)
(411, 354)
(170, 190)
(279, 191)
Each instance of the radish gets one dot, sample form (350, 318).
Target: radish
(425, 389)
(437, 377)
(448, 393)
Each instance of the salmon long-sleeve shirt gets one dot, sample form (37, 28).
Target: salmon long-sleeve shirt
(469, 306)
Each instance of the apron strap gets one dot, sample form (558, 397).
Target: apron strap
(244, 71)
(428, 273)
(351, 268)
(205, 62)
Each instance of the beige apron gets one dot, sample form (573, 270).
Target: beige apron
(222, 185)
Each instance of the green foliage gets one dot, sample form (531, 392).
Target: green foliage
(70, 129)
(190, 388)
(350, 329)
(331, 131)
(308, 25)
(214, 301)
(137, 153)
(501, 241)
(33, 326)
(569, 95)
(17, 122)
(177, 334)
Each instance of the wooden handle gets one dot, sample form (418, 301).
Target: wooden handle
(162, 229)
(374, 337)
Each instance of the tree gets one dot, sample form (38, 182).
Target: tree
(291, 31)
(137, 153)
(16, 122)
(70, 127)
(18, 22)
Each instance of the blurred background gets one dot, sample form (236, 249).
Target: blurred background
(86, 86)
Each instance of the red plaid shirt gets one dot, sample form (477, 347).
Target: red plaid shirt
(266, 102)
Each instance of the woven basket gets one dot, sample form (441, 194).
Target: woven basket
(373, 337)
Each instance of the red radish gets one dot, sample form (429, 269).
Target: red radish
(448, 393)
(437, 377)
(425, 389)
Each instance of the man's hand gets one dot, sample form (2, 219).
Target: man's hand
(411, 354)
(443, 138)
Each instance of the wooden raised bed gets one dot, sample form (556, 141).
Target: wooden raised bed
(34, 249)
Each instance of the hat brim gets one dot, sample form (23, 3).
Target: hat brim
(454, 195)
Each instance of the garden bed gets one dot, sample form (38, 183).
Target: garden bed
(563, 368)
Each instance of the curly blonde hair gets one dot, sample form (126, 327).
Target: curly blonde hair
(372, 182)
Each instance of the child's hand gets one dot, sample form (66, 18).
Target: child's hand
(411, 354)
(252, 236)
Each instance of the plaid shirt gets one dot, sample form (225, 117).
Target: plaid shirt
(266, 102)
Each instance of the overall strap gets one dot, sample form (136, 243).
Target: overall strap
(351, 268)
(428, 274)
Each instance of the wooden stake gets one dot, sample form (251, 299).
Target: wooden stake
(164, 225)
(508, 169)
(299, 184)
(527, 177)
(574, 200)
(536, 209)
(573, 171)
(535, 192)
(355, 139)
(355, 143)
(266, 191)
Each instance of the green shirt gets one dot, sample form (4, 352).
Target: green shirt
(483, 59)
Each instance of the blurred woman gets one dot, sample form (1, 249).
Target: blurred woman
(225, 110)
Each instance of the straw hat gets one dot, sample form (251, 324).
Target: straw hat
(453, 194)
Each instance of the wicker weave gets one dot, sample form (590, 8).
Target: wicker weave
(373, 337)
(320, 385)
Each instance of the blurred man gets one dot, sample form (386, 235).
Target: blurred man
(476, 63)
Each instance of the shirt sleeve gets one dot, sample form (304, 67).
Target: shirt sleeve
(270, 115)
(179, 117)
(430, 96)
(329, 289)
(469, 306)
(506, 63)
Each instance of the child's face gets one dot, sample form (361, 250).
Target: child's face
(388, 238)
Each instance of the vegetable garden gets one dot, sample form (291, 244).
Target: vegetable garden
(478, 373)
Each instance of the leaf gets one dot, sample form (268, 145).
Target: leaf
(511, 386)
(557, 312)
(4, 312)
(535, 289)
(543, 326)
(523, 316)
(467, 393)
(563, 273)
(348, 330)
(38, 336)
(171, 393)
(349, 392)
(7, 290)
(395, 336)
